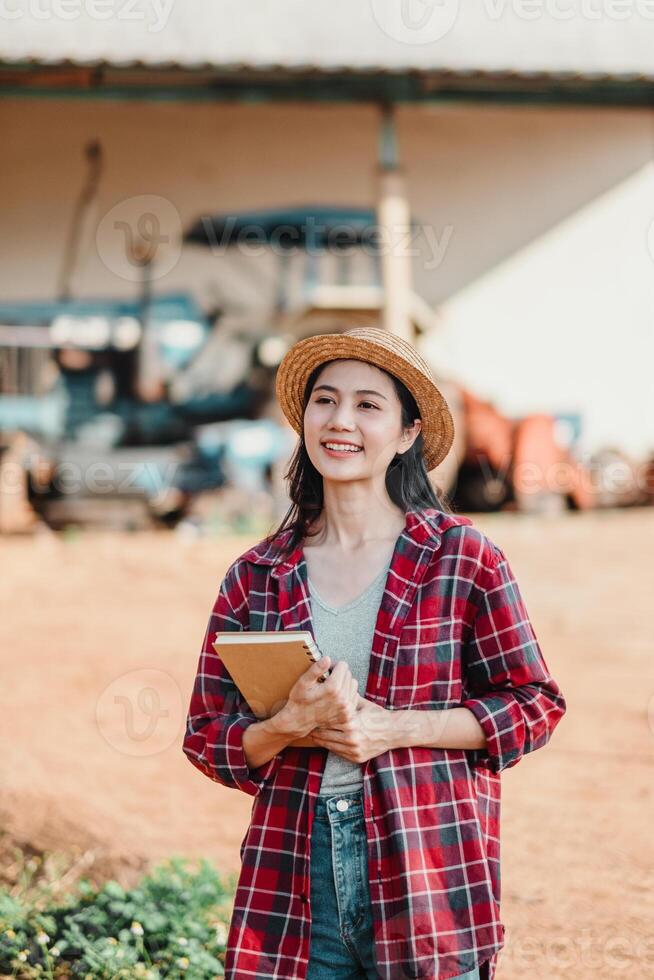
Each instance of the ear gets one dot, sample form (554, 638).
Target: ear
(410, 435)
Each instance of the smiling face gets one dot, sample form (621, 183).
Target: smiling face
(355, 403)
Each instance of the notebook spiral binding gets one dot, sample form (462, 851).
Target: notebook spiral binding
(314, 654)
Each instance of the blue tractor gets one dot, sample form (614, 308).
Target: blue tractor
(72, 375)
(145, 403)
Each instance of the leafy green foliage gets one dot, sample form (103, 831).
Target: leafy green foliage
(173, 924)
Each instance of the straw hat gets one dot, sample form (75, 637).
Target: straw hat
(383, 349)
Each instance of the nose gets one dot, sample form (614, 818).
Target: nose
(340, 417)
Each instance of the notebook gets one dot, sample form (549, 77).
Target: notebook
(265, 664)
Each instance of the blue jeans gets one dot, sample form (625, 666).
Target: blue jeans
(342, 945)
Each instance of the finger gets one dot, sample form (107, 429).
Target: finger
(341, 675)
(313, 675)
(348, 683)
(321, 667)
(341, 686)
(334, 678)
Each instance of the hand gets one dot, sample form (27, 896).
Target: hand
(366, 735)
(312, 704)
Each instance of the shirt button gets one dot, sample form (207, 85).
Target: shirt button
(342, 805)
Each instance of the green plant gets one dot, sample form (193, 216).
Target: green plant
(173, 924)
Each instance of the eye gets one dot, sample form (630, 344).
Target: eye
(324, 398)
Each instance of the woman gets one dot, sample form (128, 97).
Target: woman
(376, 853)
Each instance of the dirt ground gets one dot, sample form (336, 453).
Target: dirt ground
(100, 636)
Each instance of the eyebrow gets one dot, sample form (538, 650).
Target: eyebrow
(359, 391)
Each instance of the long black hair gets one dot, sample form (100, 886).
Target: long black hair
(407, 482)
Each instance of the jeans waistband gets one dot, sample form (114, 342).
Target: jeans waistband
(328, 811)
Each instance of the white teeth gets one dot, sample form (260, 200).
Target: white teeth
(340, 447)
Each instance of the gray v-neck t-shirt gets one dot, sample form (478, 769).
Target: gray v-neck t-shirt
(346, 634)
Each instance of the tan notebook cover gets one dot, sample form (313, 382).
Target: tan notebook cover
(265, 665)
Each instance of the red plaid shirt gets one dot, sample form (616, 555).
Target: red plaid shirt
(452, 629)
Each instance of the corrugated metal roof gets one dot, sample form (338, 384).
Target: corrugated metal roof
(563, 40)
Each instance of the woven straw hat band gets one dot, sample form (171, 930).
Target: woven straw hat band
(385, 350)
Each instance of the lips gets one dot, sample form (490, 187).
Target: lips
(343, 452)
(338, 442)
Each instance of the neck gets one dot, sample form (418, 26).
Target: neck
(350, 529)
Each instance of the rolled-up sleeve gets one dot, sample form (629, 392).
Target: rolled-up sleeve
(511, 691)
(218, 715)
